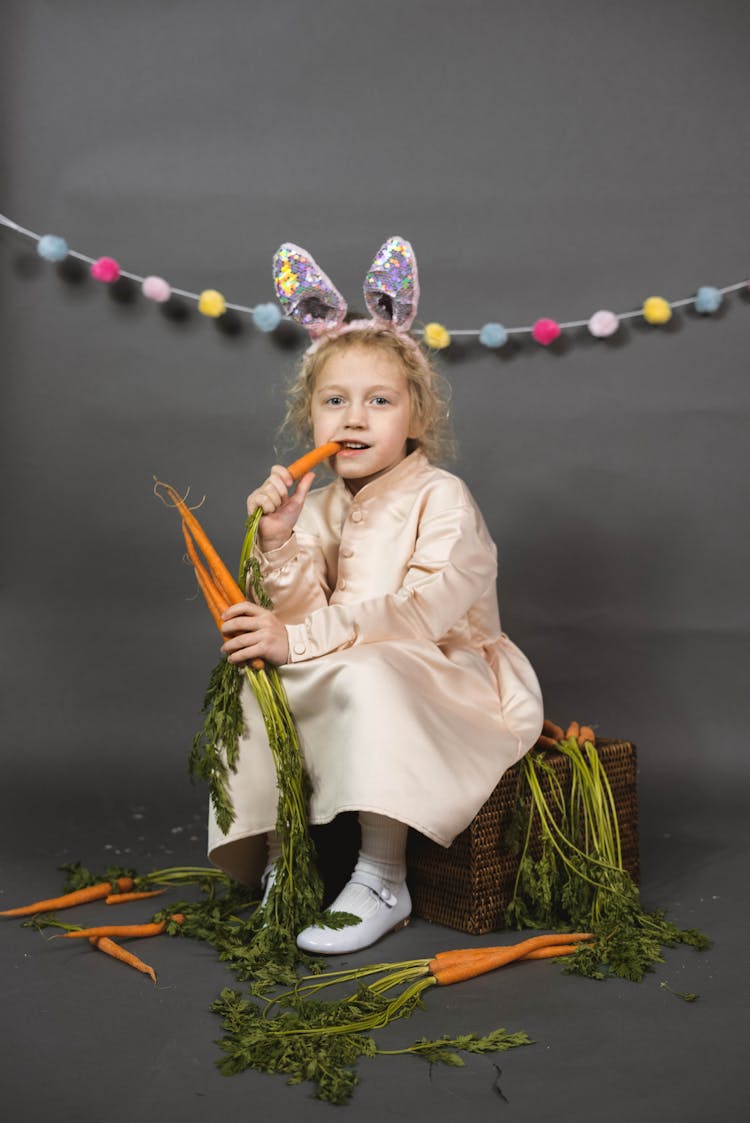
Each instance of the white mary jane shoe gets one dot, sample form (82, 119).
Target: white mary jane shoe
(393, 911)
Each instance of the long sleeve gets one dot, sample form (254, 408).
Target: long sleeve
(295, 577)
(453, 566)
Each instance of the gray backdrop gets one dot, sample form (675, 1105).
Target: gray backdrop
(543, 159)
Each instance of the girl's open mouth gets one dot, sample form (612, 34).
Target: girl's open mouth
(351, 448)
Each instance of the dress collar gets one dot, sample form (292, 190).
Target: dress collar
(409, 466)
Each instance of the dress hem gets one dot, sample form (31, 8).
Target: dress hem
(237, 836)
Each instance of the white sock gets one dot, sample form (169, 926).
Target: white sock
(382, 854)
(382, 851)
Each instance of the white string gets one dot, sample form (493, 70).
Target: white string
(563, 325)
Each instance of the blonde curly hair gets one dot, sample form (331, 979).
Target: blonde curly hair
(428, 390)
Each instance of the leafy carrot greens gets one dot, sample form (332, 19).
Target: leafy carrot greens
(578, 878)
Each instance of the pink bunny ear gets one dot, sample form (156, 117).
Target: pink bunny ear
(392, 284)
(304, 291)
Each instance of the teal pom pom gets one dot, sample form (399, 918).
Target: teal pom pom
(266, 317)
(52, 248)
(708, 299)
(493, 335)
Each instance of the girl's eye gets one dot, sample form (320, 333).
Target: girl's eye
(380, 401)
(335, 400)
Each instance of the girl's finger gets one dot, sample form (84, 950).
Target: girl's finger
(242, 608)
(236, 627)
(283, 474)
(276, 488)
(242, 639)
(269, 499)
(241, 655)
(304, 485)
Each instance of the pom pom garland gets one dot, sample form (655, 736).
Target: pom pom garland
(708, 300)
(546, 331)
(52, 248)
(266, 317)
(212, 303)
(105, 270)
(436, 337)
(493, 335)
(156, 288)
(603, 323)
(657, 310)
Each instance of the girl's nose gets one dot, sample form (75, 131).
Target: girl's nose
(354, 416)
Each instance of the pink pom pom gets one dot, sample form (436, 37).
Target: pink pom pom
(545, 332)
(603, 323)
(105, 269)
(156, 288)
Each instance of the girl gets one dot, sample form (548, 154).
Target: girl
(409, 700)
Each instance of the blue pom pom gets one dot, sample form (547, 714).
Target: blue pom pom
(708, 299)
(493, 335)
(266, 316)
(52, 248)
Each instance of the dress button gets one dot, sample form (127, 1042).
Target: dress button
(342, 583)
(299, 649)
(356, 515)
(347, 552)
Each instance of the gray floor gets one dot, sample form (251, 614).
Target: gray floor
(87, 1040)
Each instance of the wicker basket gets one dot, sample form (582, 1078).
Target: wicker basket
(468, 886)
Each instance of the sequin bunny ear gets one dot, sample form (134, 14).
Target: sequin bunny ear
(305, 293)
(392, 285)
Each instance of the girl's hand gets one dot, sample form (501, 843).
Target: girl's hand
(280, 509)
(253, 632)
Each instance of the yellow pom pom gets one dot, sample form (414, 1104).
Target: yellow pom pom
(212, 303)
(436, 336)
(656, 310)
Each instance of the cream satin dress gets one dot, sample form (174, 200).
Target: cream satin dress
(409, 699)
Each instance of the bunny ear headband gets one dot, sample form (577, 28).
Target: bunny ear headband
(309, 297)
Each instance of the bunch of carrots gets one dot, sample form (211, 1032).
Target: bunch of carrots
(115, 892)
(296, 897)
(443, 969)
(553, 734)
(219, 588)
(320, 1041)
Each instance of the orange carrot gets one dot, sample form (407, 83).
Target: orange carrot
(489, 959)
(545, 742)
(573, 730)
(586, 734)
(550, 952)
(109, 947)
(470, 962)
(68, 900)
(551, 730)
(305, 463)
(457, 954)
(121, 898)
(215, 599)
(125, 931)
(222, 578)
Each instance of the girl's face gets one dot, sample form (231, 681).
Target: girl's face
(361, 399)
